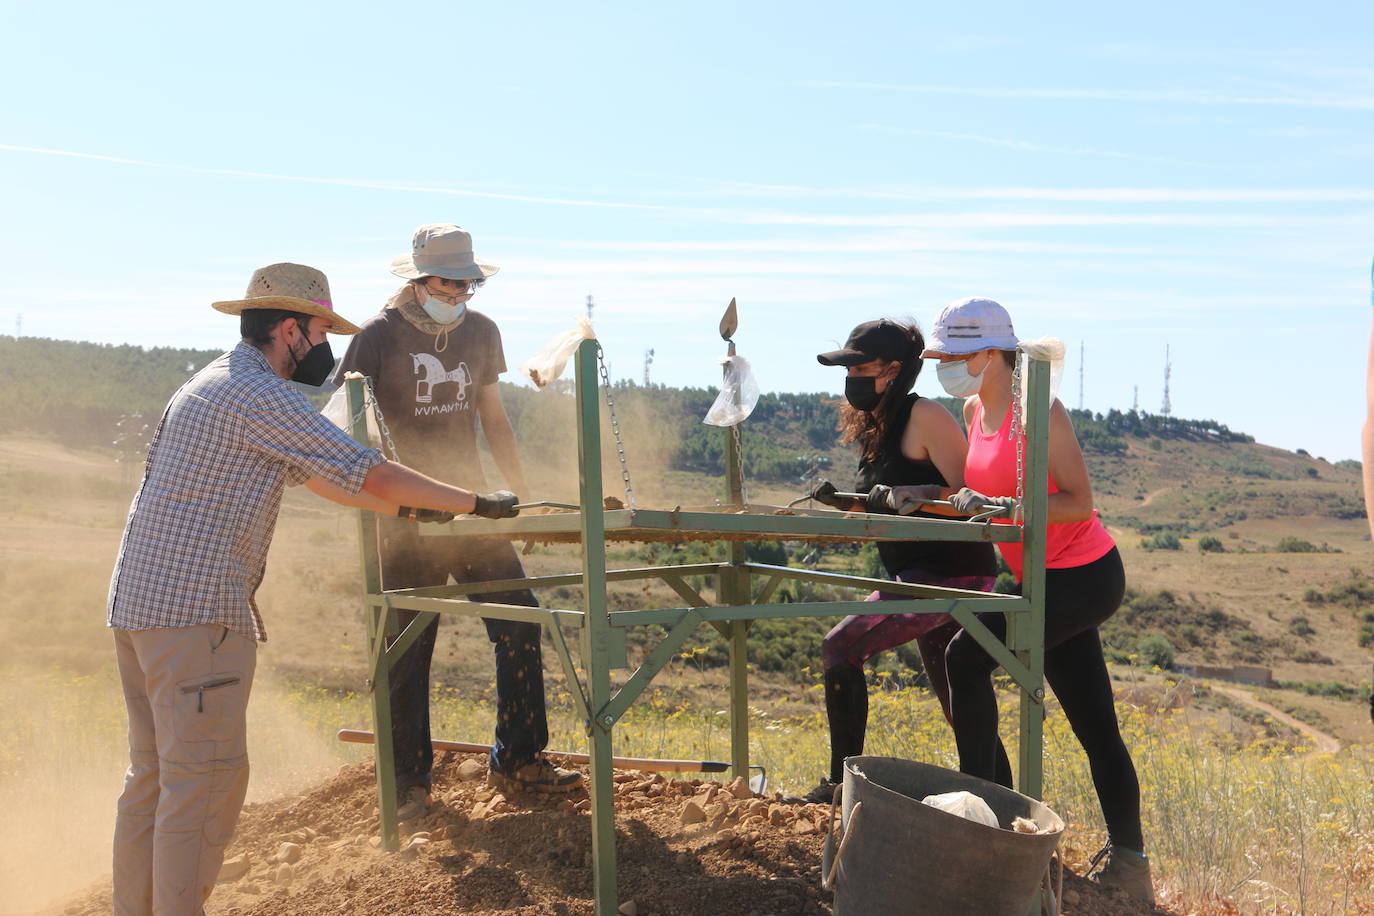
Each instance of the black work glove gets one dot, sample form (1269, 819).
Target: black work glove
(824, 493)
(500, 504)
(879, 499)
(424, 515)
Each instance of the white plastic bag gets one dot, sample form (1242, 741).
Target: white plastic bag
(336, 412)
(1047, 348)
(738, 397)
(965, 805)
(549, 363)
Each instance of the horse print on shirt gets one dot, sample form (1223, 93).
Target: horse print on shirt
(434, 374)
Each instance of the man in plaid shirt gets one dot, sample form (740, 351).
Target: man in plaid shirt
(186, 627)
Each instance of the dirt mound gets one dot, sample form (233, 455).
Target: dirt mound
(685, 848)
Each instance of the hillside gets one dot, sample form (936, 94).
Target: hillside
(1236, 552)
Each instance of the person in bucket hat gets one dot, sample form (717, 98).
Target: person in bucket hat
(435, 364)
(1085, 581)
(181, 600)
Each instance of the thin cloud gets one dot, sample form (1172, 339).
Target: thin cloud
(1167, 96)
(997, 220)
(338, 182)
(1027, 146)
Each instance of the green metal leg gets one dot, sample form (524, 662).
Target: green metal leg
(739, 698)
(379, 620)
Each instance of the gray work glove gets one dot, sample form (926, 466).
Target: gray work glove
(824, 493)
(901, 500)
(971, 502)
(500, 504)
(424, 515)
(906, 499)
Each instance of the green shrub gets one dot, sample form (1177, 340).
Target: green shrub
(1210, 544)
(1155, 650)
(1299, 626)
(1163, 540)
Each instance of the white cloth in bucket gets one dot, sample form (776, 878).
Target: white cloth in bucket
(965, 805)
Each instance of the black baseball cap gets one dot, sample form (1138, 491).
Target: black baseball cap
(881, 339)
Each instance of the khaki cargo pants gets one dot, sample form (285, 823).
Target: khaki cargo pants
(186, 689)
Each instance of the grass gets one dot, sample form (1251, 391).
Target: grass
(1275, 830)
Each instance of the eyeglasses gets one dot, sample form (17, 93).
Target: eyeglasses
(451, 290)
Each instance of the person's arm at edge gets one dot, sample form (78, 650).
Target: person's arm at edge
(1367, 435)
(500, 435)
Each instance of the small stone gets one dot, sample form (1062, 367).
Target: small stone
(628, 908)
(478, 812)
(692, 814)
(375, 842)
(739, 787)
(233, 869)
(470, 769)
(249, 888)
(776, 816)
(803, 827)
(758, 807)
(288, 852)
(584, 805)
(284, 874)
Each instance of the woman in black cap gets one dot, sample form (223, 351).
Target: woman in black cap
(911, 448)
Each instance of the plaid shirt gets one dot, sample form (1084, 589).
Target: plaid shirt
(229, 442)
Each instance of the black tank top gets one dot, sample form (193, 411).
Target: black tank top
(948, 558)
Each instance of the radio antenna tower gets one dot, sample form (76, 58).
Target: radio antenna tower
(1080, 375)
(648, 361)
(1135, 401)
(590, 305)
(19, 325)
(1166, 409)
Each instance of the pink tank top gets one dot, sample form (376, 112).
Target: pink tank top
(991, 469)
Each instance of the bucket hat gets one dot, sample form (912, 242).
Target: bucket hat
(441, 250)
(970, 325)
(292, 288)
(880, 339)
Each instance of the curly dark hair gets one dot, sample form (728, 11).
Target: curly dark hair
(870, 428)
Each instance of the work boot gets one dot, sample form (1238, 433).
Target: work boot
(822, 794)
(1125, 870)
(412, 803)
(536, 776)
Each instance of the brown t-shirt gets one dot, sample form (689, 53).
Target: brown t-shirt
(429, 397)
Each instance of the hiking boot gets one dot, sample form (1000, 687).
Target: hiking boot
(822, 794)
(412, 803)
(1125, 870)
(536, 776)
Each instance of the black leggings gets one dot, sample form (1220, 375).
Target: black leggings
(1077, 600)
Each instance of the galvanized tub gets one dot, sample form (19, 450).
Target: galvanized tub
(895, 855)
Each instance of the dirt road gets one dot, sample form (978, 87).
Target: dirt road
(1322, 743)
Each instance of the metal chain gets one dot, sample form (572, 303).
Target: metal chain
(371, 401)
(739, 461)
(1018, 433)
(615, 430)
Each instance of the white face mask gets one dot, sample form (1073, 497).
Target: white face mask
(442, 312)
(957, 381)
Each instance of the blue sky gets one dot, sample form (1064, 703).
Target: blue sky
(1189, 175)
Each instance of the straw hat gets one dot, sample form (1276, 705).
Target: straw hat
(293, 288)
(441, 250)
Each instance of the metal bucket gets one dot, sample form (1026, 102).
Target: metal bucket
(897, 855)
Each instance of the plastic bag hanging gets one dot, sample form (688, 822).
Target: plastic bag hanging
(1046, 348)
(739, 394)
(336, 412)
(549, 363)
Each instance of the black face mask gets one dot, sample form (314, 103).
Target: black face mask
(861, 392)
(313, 368)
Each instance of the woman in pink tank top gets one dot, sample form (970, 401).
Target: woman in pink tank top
(1084, 582)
